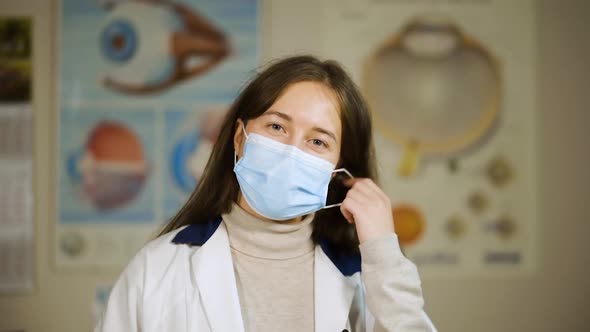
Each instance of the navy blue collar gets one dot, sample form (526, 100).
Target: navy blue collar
(348, 264)
(198, 234)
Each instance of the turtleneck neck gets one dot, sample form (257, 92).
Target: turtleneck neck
(268, 239)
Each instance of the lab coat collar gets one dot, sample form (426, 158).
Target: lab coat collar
(333, 292)
(214, 276)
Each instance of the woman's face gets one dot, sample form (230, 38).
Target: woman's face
(306, 116)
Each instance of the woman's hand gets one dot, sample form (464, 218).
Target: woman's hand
(368, 208)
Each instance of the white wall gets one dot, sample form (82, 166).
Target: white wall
(556, 298)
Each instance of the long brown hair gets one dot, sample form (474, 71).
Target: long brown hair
(218, 187)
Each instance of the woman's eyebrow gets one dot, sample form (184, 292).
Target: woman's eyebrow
(325, 131)
(287, 117)
(279, 114)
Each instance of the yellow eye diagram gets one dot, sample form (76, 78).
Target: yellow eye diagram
(433, 90)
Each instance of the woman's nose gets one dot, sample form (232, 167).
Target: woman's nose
(297, 139)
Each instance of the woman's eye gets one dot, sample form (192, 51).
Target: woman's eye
(318, 142)
(276, 127)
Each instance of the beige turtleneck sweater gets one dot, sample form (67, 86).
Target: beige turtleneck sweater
(273, 263)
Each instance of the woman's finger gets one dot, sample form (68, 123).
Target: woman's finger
(350, 182)
(357, 198)
(369, 186)
(350, 207)
(345, 210)
(364, 185)
(362, 196)
(347, 215)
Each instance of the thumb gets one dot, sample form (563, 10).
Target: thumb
(347, 214)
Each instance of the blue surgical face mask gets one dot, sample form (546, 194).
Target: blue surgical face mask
(280, 181)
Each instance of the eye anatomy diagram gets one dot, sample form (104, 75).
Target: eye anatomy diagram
(150, 46)
(191, 136)
(143, 86)
(108, 168)
(451, 89)
(434, 90)
(111, 166)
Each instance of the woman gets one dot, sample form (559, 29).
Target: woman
(278, 230)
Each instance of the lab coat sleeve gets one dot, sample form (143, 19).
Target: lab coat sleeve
(393, 288)
(124, 307)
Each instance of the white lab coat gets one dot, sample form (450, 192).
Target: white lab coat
(182, 288)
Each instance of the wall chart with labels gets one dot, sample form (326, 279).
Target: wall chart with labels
(452, 94)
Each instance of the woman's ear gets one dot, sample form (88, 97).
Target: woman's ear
(239, 136)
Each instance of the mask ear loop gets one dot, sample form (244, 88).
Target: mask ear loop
(244, 129)
(245, 134)
(340, 170)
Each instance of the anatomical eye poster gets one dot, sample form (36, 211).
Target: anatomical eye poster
(450, 85)
(143, 87)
